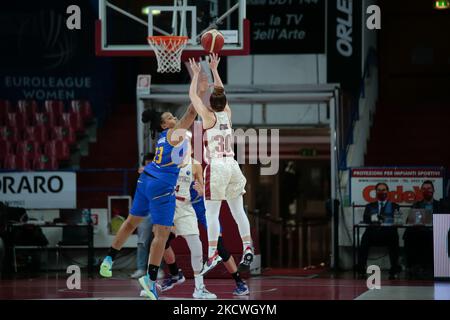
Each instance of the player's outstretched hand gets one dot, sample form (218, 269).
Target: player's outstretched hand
(196, 67)
(214, 61)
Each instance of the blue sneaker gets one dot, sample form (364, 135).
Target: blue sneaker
(150, 287)
(172, 281)
(241, 289)
(106, 267)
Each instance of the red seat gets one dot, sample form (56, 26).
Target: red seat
(83, 108)
(5, 108)
(5, 148)
(54, 106)
(47, 119)
(36, 133)
(28, 148)
(16, 162)
(66, 134)
(17, 120)
(73, 120)
(28, 108)
(58, 149)
(10, 134)
(44, 162)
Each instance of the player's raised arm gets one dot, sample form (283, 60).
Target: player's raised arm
(190, 114)
(195, 99)
(187, 119)
(214, 61)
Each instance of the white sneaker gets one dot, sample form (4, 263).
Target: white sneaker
(210, 263)
(202, 293)
(247, 259)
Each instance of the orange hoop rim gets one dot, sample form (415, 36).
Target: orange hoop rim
(166, 38)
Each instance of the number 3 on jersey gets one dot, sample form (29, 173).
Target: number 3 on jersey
(158, 155)
(224, 143)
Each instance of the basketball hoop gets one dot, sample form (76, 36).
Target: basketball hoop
(168, 50)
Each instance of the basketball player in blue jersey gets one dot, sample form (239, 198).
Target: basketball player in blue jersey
(155, 192)
(190, 205)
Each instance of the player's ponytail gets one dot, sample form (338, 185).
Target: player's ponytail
(218, 100)
(154, 119)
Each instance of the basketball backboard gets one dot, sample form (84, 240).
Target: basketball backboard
(123, 26)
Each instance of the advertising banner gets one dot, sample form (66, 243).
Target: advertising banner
(39, 190)
(404, 184)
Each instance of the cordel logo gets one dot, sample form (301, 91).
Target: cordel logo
(398, 195)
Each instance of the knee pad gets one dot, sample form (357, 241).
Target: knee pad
(223, 253)
(171, 237)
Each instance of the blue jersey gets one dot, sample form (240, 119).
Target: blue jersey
(167, 158)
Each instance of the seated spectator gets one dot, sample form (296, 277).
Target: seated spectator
(419, 239)
(375, 213)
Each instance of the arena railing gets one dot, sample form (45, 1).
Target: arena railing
(289, 243)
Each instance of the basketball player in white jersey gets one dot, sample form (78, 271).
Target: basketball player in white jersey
(223, 177)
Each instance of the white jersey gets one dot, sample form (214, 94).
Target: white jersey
(185, 178)
(185, 219)
(219, 138)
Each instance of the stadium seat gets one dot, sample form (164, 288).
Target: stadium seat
(28, 148)
(84, 108)
(66, 134)
(28, 108)
(36, 133)
(5, 108)
(5, 148)
(55, 107)
(16, 162)
(58, 149)
(44, 162)
(10, 134)
(74, 121)
(47, 119)
(17, 120)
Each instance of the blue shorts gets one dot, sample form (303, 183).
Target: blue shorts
(156, 197)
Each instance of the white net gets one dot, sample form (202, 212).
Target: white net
(168, 50)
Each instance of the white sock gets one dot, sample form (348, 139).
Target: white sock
(211, 251)
(237, 210)
(198, 282)
(212, 220)
(246, 244)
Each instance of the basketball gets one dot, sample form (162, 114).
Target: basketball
(212, 41)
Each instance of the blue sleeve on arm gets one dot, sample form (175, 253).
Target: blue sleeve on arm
(200, 211)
